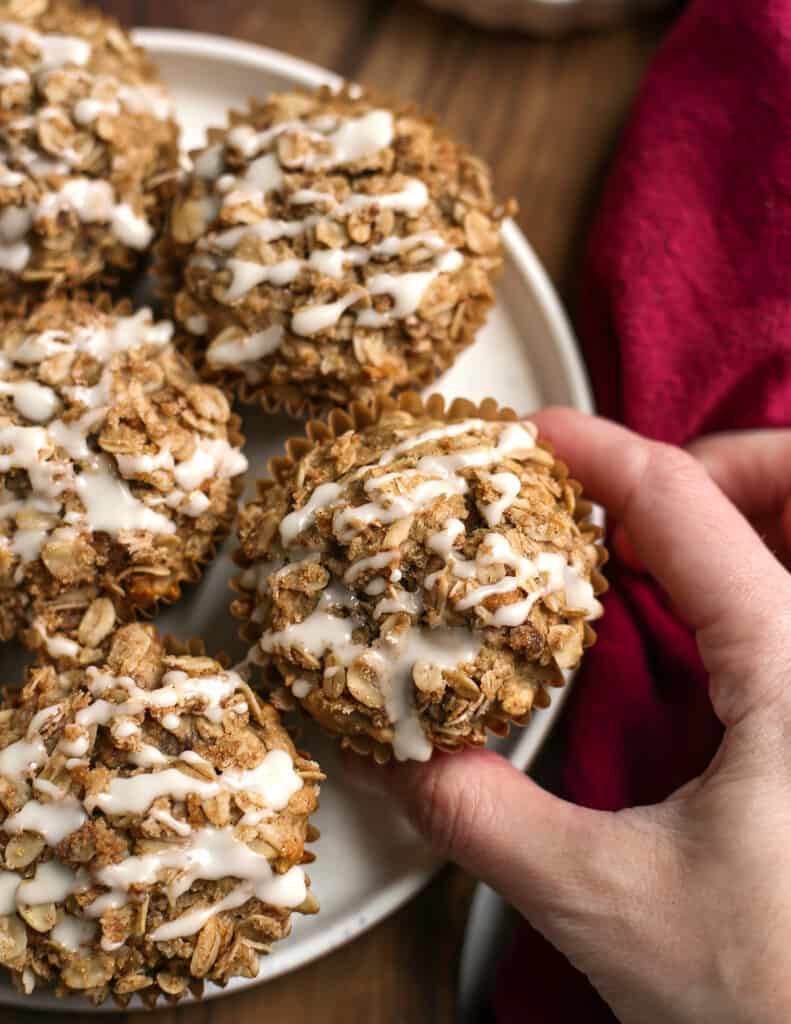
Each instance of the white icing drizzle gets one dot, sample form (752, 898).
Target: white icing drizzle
(57, 646)
(274, 780)
(359, 137)
(54, 50)
(107, 901)
(52, 883)
(73, 932)
(148, 756)
(130, 228)
(401, 601)
(318, 633)
(23, 757)
(409, 199)
(111, 507)
(9, 883)
(197, 324)
(509, 486)
(91, 200)
(193, 920)
(312, 320)
(107, 502)
(246, 274)
(337, 141)
(213, 458)
(53, 821)
(77, 747)
(267, 229)
(181, 828)
(301, 688)
(177, 689)
(406, 290)
(353, 139)
(377, 561)
(244, 349)
(300, 519)
(496, 550)
(32, 400)
(442, 542)
(446, 647)
(397, 495)
(208, 854)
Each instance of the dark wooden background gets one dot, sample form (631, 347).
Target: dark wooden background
(546, 115)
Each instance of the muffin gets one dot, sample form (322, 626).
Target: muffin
(414, 577)
(154, 814)
(88, 149)
(119, 471)
(329, 248)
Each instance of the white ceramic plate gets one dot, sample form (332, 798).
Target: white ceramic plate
(368, 864)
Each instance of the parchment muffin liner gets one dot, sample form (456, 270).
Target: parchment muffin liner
(359, 416)
(133, 966)
(277, 396)
(80, 613)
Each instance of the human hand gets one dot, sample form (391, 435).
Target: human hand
(678, 912)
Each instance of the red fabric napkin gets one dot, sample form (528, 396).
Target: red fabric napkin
(685, 321)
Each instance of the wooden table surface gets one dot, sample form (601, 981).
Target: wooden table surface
(546, 116)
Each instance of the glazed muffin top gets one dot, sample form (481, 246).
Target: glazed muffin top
(419, 579)
(117, 465)
(153, 820)
(87, 141)
(329, 247)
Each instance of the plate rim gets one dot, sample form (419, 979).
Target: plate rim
(394, 895)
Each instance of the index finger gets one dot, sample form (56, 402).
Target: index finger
(686, 532)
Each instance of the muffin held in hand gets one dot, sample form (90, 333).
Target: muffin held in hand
(153, 820)
(88, 148)
(414, 577)
(119, 470)
(327, 248)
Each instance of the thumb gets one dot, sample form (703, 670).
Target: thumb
(552, 860)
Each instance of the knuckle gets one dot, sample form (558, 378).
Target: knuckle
(668, 461)
(664, 468)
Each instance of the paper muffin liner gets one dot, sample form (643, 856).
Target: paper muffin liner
(359, 416)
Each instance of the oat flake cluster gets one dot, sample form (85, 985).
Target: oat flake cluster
(328, 248)
(153, 821)
(88, 148)
(119, 470)
(418, 580)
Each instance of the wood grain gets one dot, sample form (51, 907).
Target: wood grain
(546, 116)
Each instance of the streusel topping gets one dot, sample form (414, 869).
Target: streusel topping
(329, 244)
(154, 815)
(419, 580)
(118, 467)
(88, 140)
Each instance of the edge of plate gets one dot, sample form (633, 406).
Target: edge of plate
(558, 326)
(237, 50)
